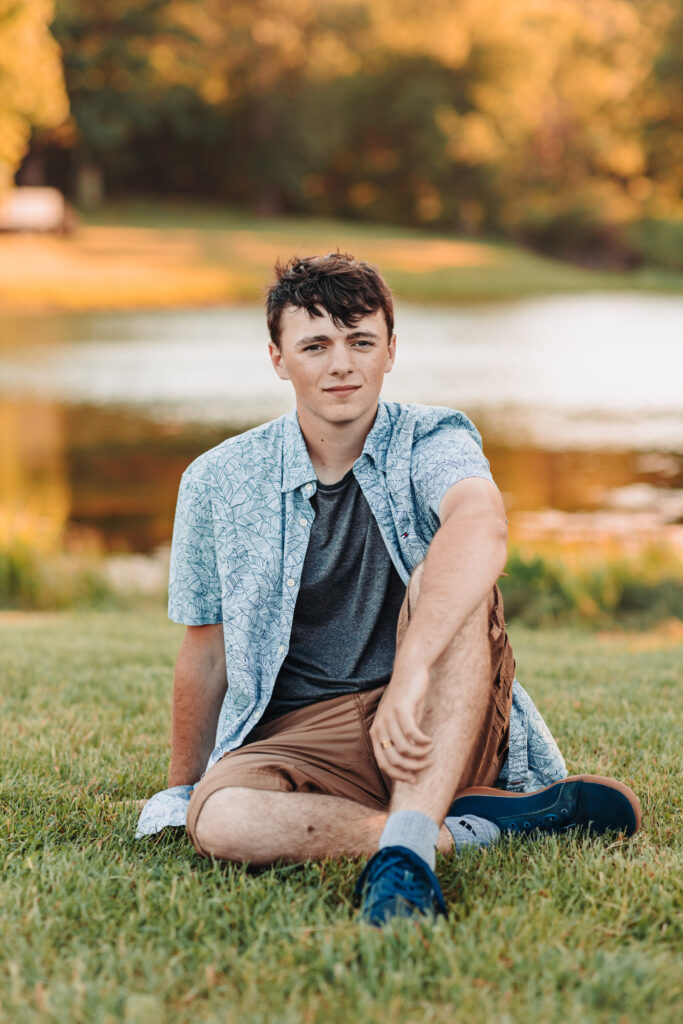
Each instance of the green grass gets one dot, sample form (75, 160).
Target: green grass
(148, 255)
(484, 270)
(98, 927)
(152, 254)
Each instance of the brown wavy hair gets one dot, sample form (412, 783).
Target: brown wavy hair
(345, 287)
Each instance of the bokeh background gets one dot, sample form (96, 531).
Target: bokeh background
(513, 168)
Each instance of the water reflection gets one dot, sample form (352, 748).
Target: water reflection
(570, 370)
(35, 489)
(579, 407)
(116, 472)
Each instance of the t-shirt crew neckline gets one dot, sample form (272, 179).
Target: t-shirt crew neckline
(338, 484)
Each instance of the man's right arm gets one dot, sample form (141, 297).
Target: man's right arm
(199, 686)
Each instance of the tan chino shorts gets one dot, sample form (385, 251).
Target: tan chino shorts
(326, 747)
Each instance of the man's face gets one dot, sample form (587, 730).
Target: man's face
(337, 373)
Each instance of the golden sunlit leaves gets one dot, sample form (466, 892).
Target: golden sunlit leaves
(466, 114)
(472, 138)
(362, 194)
(32, 86)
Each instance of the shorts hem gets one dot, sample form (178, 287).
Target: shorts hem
(201, 795)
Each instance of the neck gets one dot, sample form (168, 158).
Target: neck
(334, 447)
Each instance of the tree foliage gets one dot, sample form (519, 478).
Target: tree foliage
(31, 88)
(550, 121)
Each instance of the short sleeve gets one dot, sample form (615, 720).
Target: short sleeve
(194, 589)
(442, 458)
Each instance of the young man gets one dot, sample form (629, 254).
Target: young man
(346, 685)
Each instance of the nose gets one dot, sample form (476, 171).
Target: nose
(341, 363)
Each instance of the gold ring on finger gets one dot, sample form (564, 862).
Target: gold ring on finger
(386, 743)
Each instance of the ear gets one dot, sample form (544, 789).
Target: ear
(278, 362)
(391, 356)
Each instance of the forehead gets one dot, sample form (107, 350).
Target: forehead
(296, 323)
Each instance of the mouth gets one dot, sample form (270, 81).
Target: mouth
(343, 390)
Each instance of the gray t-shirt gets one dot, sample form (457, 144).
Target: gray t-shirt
(343, 635)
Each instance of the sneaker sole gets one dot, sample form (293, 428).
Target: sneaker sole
(621, 813)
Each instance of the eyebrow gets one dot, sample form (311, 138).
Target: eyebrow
(311, 338)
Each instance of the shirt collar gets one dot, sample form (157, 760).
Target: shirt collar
(377, 442)
(297, 468)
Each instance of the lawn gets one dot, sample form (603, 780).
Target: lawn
(99, 927)
(150, 254)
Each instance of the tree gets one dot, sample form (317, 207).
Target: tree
(552, 122)
(125, 70)
(32, 90)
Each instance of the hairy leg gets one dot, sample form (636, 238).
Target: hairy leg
(454, 709)
(263, 826)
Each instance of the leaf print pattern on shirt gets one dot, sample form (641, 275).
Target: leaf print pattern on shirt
(239, 547)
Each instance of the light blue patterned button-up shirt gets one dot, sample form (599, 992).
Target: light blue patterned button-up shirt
(241, 530)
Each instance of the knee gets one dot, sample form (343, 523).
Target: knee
(219, 829)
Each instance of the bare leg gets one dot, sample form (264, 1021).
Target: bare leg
(301, 826)
(309, 826)
(454, 709)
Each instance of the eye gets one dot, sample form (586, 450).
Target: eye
(309, 348)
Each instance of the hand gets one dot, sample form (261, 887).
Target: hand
(396, 719)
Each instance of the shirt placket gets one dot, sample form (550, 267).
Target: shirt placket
(378, 500)
(299, 516)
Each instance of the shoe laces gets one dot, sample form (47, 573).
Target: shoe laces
(396, 874)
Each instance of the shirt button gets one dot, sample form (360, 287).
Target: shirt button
(309, 487)
(303, 522)
(290, 583)
(280, 649)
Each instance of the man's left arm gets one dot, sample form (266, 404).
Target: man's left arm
(465, 558)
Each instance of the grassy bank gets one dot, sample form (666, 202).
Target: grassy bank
(541, 589)
(150, 255)
(100, 928)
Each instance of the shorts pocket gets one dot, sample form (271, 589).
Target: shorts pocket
(502, 660)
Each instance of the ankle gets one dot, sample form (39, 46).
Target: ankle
(445, 842)
(413, 830)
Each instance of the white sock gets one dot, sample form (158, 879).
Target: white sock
(418, 832)
(472, 831)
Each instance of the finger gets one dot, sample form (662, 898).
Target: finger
(410, 757)
(405, 762)
(410, 729)
(402, 746)
(388, 761)
(401, 752)
(396, 767)
(399, 745)
(389, 758)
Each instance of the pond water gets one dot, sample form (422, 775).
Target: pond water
(577, 398)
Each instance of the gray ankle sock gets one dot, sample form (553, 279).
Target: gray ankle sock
(472, 831)
(416, 831)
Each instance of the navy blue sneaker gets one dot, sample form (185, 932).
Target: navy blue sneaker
(582, 802)
(398, 883)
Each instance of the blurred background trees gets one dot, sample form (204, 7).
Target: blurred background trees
(556, 123)
(31, 87)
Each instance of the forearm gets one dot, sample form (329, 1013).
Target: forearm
(464, 560)
(193, 735)
(198, 691)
